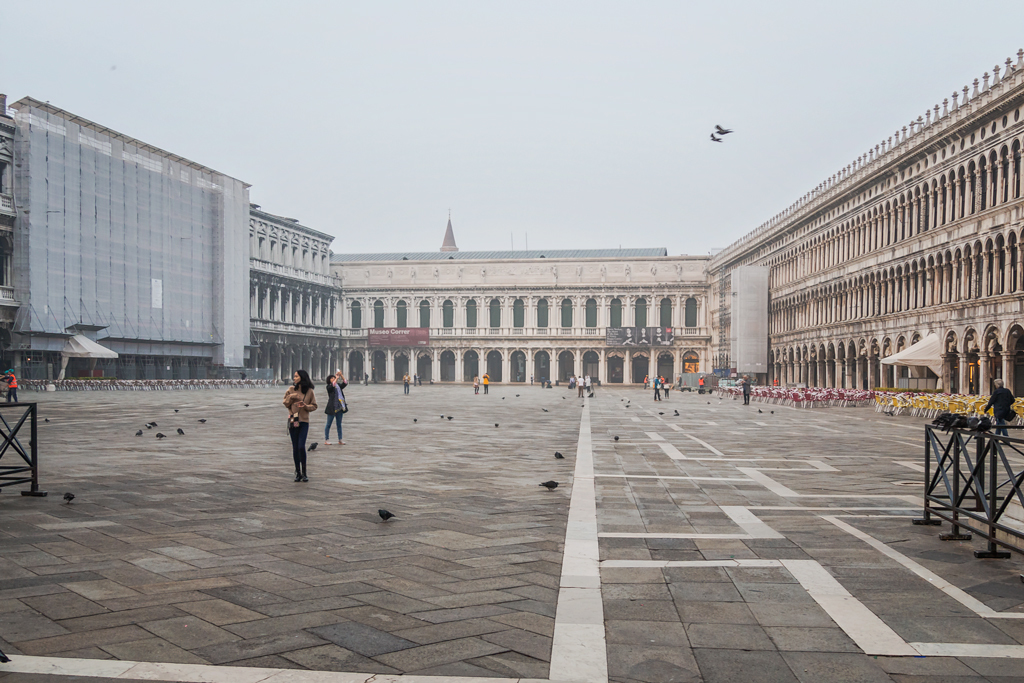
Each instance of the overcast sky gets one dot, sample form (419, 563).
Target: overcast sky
(577, 124)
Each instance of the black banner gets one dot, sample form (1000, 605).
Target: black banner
(639, 336)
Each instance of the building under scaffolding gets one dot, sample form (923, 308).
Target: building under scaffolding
(137, 249)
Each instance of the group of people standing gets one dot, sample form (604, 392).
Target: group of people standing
(300, 400)
(477, 381)
(581, 384)
(660, 385)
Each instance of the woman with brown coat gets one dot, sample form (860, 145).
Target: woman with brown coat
(300, 400)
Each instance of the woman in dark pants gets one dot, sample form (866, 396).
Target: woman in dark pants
(300, 400)
(335, 387)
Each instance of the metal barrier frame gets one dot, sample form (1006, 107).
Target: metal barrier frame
(968, 489)
(11, 475)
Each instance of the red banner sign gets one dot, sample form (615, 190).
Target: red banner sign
(399, 336)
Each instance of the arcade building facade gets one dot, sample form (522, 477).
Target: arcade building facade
(521, 316)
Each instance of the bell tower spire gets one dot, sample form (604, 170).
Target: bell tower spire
(449, 237)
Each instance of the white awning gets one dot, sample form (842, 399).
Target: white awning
(81, 346)
(927, 353)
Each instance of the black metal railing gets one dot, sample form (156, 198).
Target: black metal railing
(970, 479)
(13, 417)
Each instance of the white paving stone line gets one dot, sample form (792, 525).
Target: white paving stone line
(741, 516)
(786, 492)
(205, 673)
(659, 564)
(666, 476)
(968, 601)
(870, 633)
(578, 648)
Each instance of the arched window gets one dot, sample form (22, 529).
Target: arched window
(357, 315)
(616, 313)
(401, 314)
(495, 313)
(448, 314)
(566, 313)
(591, 320)
(666, 312)
(640, 314)
(542, 313)
(424, 313)
(518, 313)
(690, 313)
(378, 313)
(471, 313)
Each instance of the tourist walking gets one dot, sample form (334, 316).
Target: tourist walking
(12, 386)
(1001, 403)
(405, 382)
(657, 389)
(746, 390)
(300, 400)
(487, 382)
(589, 386)
(335, 407)
(476, 384)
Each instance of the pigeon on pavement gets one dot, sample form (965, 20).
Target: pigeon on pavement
(559, 456)
(549, 485)
(312, 446)
(203, 421)
(138, 433)
(384, 514)
(616, 438)
(68, 497)
(161, 436)
(181, 431)
(450, 418)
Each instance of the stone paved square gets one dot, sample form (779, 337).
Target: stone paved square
(722, 537)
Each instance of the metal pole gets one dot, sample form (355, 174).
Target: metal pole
(954, 534)
(926, 518)
(992, 552)
(34, 449)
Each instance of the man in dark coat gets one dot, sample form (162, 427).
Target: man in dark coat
(1001, 403)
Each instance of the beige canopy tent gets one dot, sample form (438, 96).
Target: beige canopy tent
(80, 346)
(925, 353)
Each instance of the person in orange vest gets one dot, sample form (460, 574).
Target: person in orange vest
(12, 386)
(700, 383)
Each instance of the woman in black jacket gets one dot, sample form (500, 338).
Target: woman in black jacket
(335, 402)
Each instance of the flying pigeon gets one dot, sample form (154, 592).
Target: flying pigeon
(68, 497)
(549, 485)
(559, 456)
(138, 433)
(203, 421)
(312, 446)
(714, 139)
(722, 131)
(384, 514)
(161, 436)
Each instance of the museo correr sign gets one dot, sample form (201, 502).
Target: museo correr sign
(399, 336)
